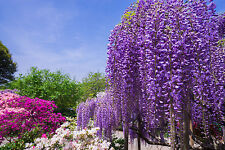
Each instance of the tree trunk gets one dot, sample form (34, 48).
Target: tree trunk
(172, 129)
(125, 138)
(223, 129)
(139, 143)
(139, 130)
(190, 137)
(223, 134)
(180, 133)
(186, 130)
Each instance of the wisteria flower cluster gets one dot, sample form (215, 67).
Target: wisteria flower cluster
(68, 139)
(166, 70)
(20, 114)
(100, 110)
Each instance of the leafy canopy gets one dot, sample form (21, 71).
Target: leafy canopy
(92, 84)
(7, 66)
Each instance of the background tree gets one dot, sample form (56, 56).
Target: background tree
(49, 86)
(92, 84)
(7, 66)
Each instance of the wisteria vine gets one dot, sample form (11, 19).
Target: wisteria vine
(166, 72)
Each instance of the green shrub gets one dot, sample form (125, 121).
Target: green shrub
(92, 84)
(117, 143)
(49, 86)
(19, 143)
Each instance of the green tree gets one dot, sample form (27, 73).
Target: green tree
(92, 84)
(7, 66)
(49, 86)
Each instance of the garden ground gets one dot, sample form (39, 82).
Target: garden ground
(134, 146)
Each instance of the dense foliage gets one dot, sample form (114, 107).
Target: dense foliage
(50, 86)
(19, 143)
(20, 114)
(166, 74)
(92, 84)
(7, 66)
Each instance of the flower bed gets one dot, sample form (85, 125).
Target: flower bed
(67, 137)
(30, 124)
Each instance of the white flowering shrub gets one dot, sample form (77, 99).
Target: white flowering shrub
(67, 137)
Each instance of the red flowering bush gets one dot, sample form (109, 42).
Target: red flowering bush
(19, 114)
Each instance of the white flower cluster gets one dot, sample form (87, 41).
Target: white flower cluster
(5, 141)
(70, 140)
(101, 94)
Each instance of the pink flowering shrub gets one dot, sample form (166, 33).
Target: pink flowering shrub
(4, 96)
(19, 114)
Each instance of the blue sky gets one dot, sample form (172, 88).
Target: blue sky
(66, 35)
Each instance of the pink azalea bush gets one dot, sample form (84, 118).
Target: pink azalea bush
(5, 95)
(19, 114)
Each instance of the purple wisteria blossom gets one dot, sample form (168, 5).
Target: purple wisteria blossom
(166, 75)
(165, 67)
